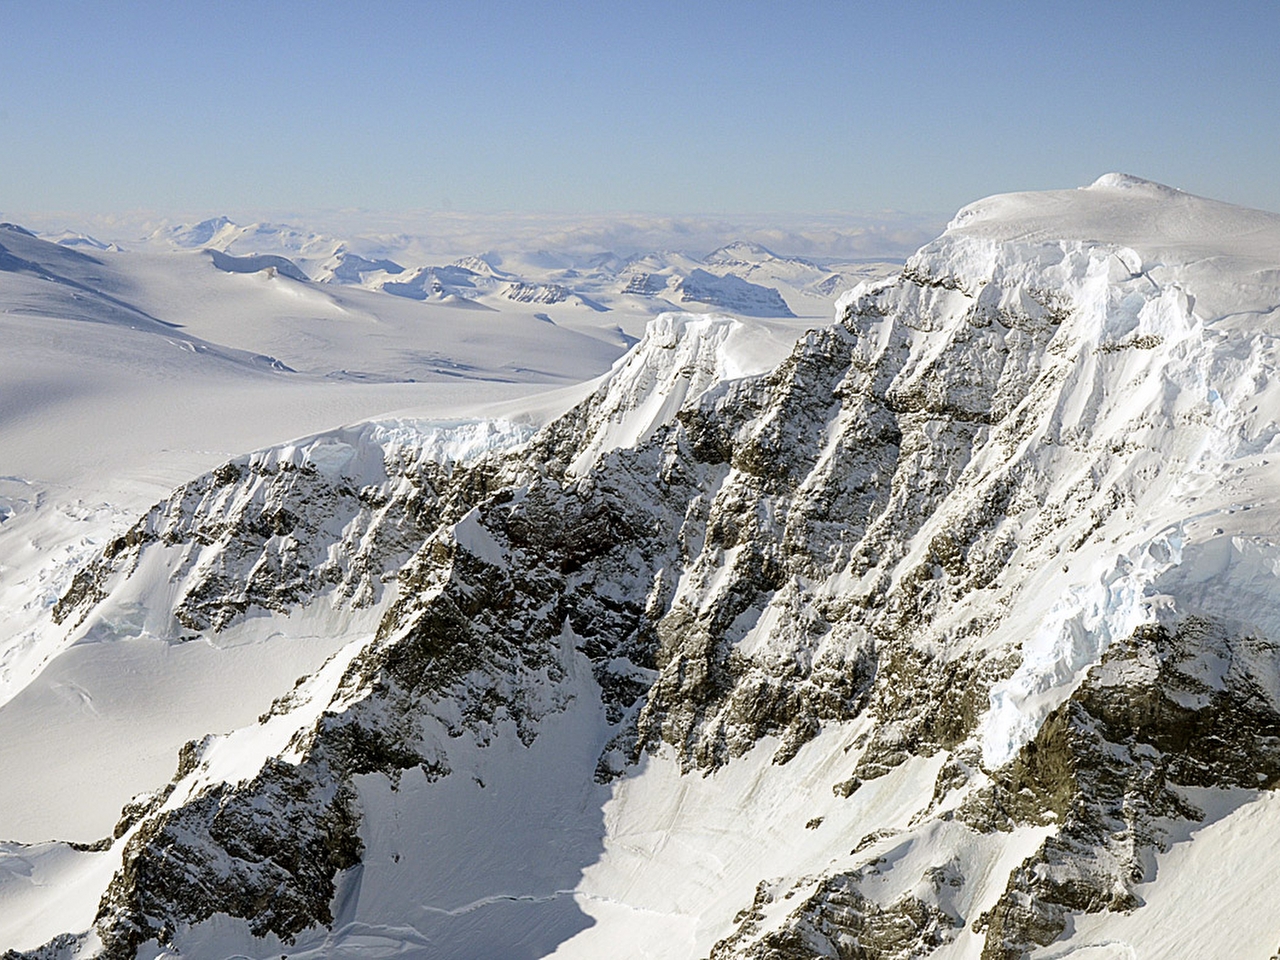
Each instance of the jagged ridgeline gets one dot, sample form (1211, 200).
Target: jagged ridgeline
(939, 638)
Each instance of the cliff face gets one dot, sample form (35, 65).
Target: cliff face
(944, 630)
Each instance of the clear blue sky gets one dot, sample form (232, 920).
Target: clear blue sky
(695, 107)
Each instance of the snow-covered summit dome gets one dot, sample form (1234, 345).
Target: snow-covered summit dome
(1123, 210)
(1127, 181)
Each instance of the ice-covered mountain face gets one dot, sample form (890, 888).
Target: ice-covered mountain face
(751, 261)
(950, 632)
(733, 293)
(743, 278)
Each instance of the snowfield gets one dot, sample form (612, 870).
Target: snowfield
(547, 618)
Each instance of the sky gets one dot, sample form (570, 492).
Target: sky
(645, 107)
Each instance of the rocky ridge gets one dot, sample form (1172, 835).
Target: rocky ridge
(974, 519)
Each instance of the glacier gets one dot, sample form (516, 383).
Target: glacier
(946, 629)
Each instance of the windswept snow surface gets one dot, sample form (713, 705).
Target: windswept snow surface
(1168, 396)
(1166, 389)
(125, 374)
(135, 676)
(1158, 393)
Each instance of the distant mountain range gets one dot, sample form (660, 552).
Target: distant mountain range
(740, 277)
(949, 628)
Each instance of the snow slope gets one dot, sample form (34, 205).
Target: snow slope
(945, 630)
(126, 374)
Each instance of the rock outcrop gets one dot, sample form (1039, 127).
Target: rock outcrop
(981, 518)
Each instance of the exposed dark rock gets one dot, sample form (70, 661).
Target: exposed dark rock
(829, 541)
(1108, 764)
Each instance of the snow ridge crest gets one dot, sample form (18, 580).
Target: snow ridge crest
(937, 554)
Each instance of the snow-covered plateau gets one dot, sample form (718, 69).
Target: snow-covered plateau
(948, 629)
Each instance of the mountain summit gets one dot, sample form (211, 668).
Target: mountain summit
(954, 631)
